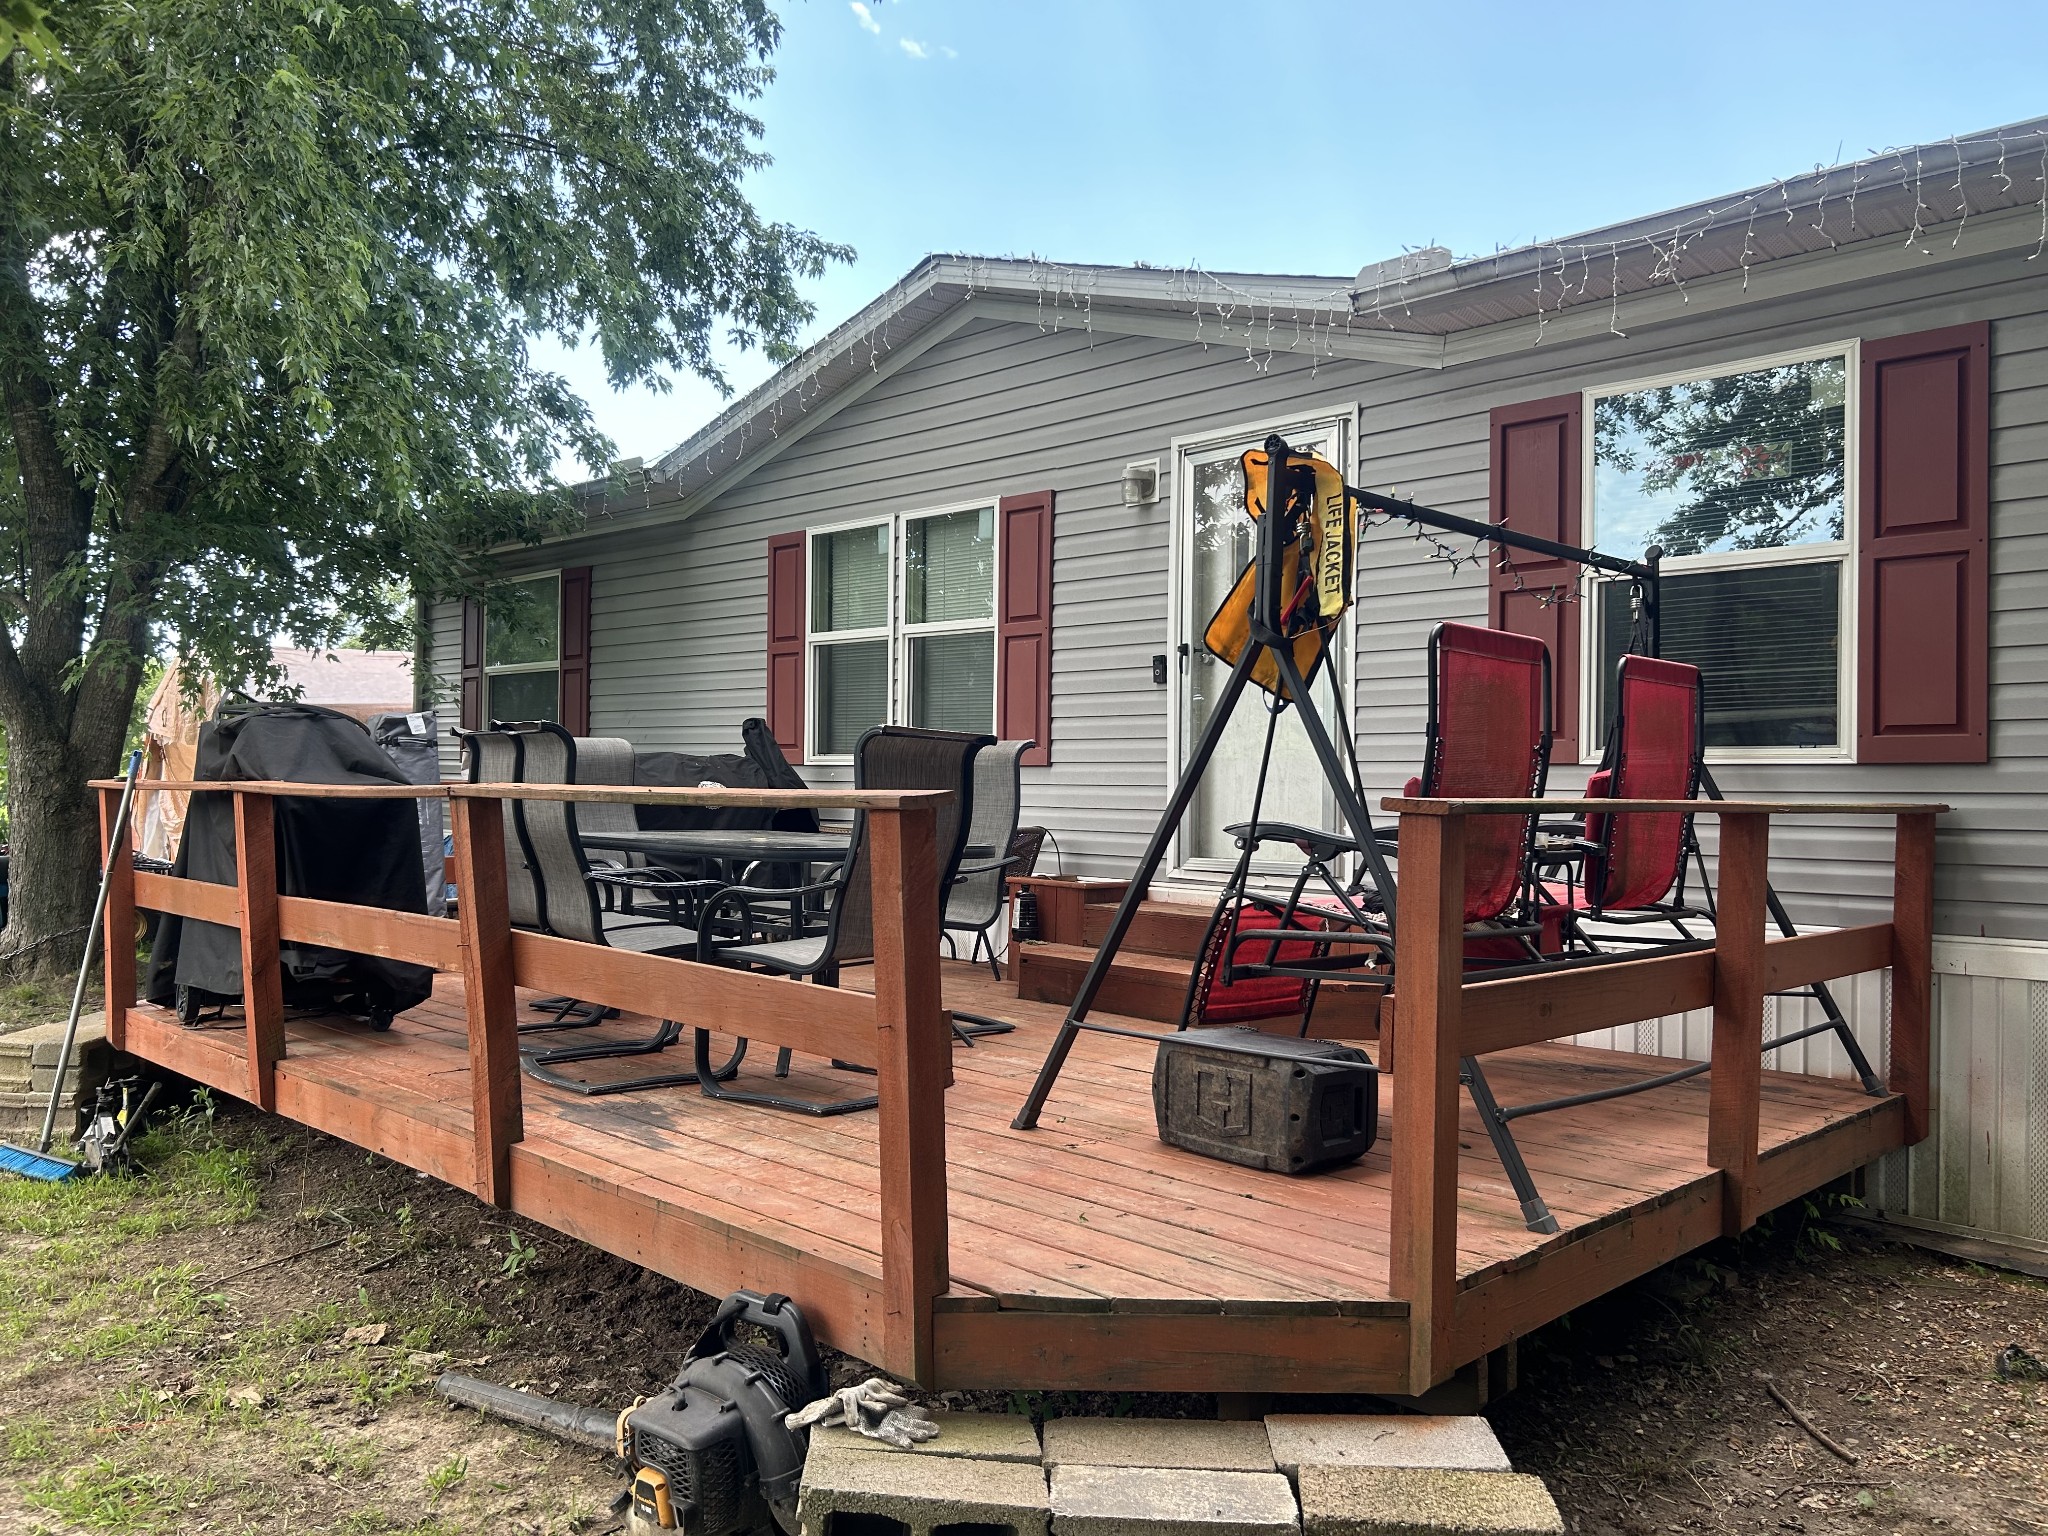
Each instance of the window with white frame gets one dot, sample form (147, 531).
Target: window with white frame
(902, 625)
(523, 650)
(1743, 476)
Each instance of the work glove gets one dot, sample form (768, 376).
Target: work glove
(876, 1408)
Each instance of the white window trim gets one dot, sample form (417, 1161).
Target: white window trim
(1842, 551)
(512, 668)
(1185, 628)
(896, 632)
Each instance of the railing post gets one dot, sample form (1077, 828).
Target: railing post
(262, 977)
(489, 999)
(1912, 1066)
(914, 1062)
(1735, 1094)
(119, 934)
(1429, 965)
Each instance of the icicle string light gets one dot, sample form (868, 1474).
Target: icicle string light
(1312, 326)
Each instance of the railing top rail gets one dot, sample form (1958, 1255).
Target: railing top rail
(281, 787)
(1431, 807)
(611, 794)
(762, 799)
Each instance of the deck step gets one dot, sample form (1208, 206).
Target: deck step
(1140, 985)
(1160, 928)
(1149, 986)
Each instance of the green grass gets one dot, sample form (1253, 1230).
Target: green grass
(151, 1386)
(118, 1496)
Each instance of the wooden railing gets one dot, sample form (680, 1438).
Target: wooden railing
(901, 1030)
(1440, 1017)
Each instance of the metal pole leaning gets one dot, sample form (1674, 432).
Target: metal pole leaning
(117, 848)
(1134, 894)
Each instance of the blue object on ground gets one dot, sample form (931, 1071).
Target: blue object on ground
(35, 1165)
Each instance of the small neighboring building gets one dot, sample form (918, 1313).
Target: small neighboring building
(358, 683)
(1004, 496)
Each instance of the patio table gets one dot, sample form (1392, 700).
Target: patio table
(731, 844)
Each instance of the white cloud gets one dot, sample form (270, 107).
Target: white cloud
(865, 17)
(950, 53)
(913, 47)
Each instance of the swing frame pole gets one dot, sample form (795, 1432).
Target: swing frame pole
(1266, 638)
(1134, 893)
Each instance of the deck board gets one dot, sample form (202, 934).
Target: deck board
(1090, 1215)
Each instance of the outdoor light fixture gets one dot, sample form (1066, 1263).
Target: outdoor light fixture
(1141, 483)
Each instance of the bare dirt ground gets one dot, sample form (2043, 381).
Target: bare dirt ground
(244, 1341)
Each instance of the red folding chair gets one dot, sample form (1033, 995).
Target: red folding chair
(1489, 739)
(1630, 868)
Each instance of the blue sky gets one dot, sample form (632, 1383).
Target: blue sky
(1147, 130)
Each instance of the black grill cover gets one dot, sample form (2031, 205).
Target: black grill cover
(365, 852)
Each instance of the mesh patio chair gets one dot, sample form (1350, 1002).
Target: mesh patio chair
(499, 757)
(495, 757)
(606, 760)
(980, 890)
(976, 899)
(569, 893)
(598, 760)
(886, 757)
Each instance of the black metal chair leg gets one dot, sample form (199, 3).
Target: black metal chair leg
(566, 1013)
(709, 1082)
(1535, 1214)
(540, 1065)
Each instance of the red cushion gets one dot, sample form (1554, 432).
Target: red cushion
(1255, 997)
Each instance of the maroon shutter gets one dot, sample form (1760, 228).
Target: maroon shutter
(470, 700)
(1923, 571)
(1024, 624)
(1535, 489)
(575, 710)
(786, 643)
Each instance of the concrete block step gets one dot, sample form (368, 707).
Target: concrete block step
(21, 1120)
(41, 1043)
(1450, 1442)
(1390, 1501)
(987, 1436)
(1196, 1444)
(846, 1490)
(1170, 1501)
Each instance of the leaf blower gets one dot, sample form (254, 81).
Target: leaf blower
(709, 1455)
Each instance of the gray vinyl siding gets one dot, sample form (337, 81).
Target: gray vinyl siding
(445, 656)
(678, 611)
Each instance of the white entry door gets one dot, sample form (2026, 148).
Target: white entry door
(1212, 544)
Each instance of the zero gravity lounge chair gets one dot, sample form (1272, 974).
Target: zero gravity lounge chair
(1632, 866)
(1632, 871)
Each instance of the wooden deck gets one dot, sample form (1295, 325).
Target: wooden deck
(935, 1241)
(1085, 1234)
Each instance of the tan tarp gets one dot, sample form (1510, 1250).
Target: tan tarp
(358, 683)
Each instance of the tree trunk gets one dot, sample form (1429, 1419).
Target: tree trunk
(53, 870)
